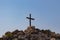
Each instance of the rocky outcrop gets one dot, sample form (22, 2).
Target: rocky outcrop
(31, 33)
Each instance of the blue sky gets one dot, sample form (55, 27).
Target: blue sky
(13, 14)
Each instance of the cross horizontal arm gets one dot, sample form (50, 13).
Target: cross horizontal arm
(30, 18)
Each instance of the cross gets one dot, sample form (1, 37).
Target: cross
(30, 19)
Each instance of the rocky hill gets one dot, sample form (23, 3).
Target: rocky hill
(31, 33)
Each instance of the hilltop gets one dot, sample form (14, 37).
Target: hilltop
(31, 33)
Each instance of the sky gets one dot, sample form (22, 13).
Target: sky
(13, 15)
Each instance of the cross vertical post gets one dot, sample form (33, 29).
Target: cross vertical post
(30, 19)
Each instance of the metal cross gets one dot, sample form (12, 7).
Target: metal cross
(30, 19)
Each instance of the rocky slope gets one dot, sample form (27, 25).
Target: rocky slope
(31, 33)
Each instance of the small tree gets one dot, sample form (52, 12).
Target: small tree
(8, 34)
